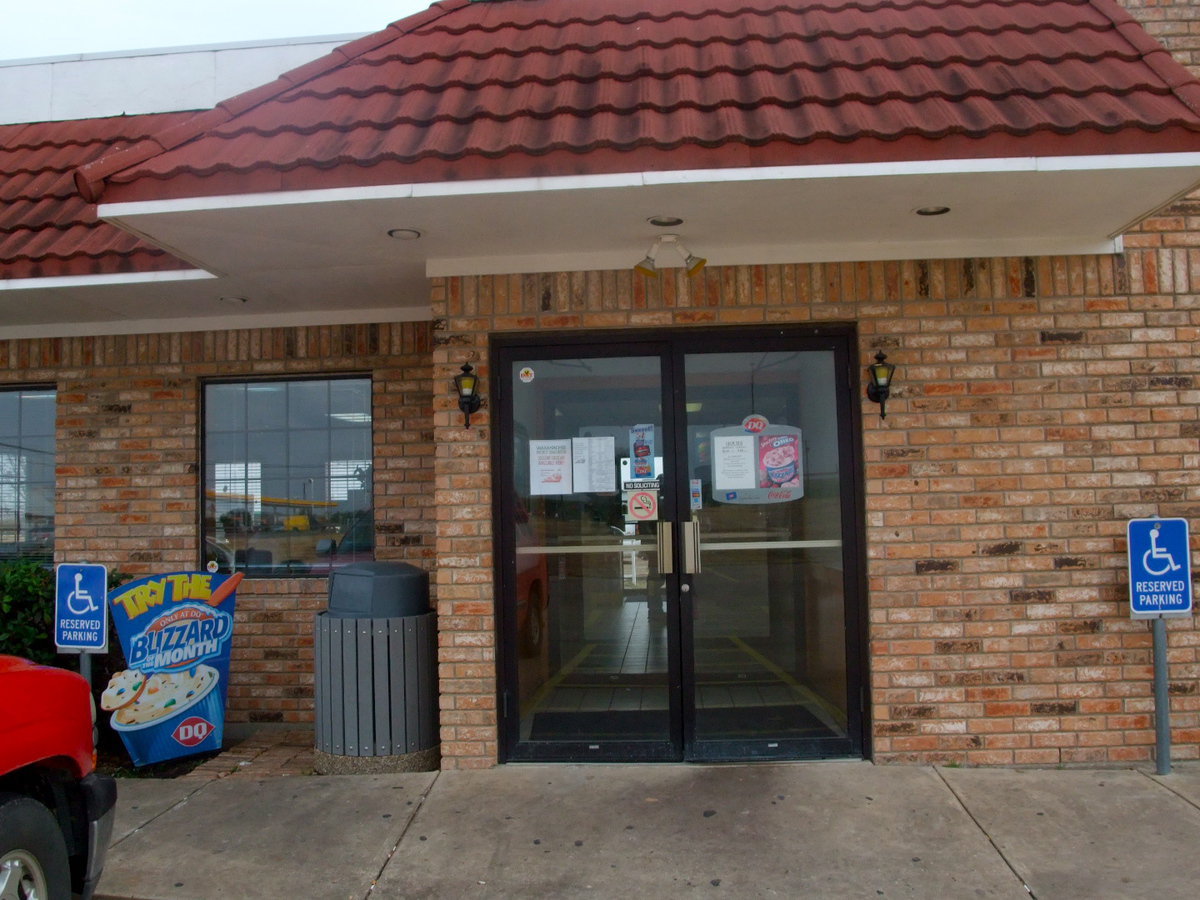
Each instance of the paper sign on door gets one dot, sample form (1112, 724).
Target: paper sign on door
(550, 467)
(762, 467)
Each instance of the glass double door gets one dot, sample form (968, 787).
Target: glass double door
(677, 528)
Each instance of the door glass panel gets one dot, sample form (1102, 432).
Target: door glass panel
(767, 612)
(589, 607)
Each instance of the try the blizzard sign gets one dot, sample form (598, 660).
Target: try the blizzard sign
(175, 630)
(180, 639)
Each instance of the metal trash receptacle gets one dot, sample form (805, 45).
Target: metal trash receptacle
(376, 672)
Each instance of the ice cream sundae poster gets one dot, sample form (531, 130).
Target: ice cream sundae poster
(176, 632)
(641, 451)
(762, 464)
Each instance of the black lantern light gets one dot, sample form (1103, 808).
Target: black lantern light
(466, 384)
(879, 382)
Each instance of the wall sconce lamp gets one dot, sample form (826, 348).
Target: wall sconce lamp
(466, 384)
(649, 264)
(879, 384)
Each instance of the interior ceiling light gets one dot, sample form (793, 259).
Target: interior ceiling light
(649, 264)
(932, 210)
(405, 234)
(665, 221)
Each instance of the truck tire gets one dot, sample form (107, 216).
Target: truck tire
(33, 853)
(534, 630)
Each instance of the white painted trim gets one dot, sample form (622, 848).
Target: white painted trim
(1115, 162)
(338, 40)
(220, 323)
(81, 281)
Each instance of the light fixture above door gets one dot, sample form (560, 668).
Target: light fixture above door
(649, 264)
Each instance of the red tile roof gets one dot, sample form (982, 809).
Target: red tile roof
(46, 228)
(509, 88)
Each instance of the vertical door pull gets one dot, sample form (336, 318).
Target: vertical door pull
(666, 557)
(691, 547)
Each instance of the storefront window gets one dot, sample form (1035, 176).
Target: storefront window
(27, 474)
(287, 476)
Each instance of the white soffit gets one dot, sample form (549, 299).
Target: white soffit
(998, 207)
(324, 256)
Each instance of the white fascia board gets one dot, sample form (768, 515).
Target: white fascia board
(529, 185)
(219, 323)
(116, 211)
(1116, 162)
(84, 281)
(424, 190)
(997, 165)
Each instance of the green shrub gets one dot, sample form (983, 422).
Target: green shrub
(27, 610)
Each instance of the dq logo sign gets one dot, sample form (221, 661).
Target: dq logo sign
(754, 424)
(192, 731)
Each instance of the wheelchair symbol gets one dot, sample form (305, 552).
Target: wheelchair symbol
(81, 597)
(1164, 562)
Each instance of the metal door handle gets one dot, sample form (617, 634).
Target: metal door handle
(685, 588)
(666, 558)
(691, 547)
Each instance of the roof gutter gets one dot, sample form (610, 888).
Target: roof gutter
(538, 184)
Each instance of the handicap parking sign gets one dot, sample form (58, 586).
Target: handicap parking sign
(81, 608)
(1160, 568)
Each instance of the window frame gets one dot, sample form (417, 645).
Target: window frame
(313, 569)
(22, 529)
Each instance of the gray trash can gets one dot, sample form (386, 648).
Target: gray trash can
(376, 672)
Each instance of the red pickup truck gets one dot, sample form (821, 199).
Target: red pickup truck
(56, 811)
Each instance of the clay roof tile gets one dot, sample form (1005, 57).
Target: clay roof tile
(46, 227)
(518, 84)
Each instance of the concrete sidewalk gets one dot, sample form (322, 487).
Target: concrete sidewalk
(824, 829)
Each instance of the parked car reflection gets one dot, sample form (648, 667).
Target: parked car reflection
(532, 590)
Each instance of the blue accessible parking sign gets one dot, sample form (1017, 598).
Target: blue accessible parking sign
(81, 608)
(1160, 568)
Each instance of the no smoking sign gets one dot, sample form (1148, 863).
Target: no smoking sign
(642, 506)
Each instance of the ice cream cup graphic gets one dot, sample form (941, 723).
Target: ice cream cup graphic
(780, 464)
(782, 474)
(176, 713)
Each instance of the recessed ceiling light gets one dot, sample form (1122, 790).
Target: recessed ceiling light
(404, 234)
(932, 210)
(665, 221)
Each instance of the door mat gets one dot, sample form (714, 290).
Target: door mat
(602, 725)
(722, 723)
(766, 722)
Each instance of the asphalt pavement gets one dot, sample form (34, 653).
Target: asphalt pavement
(796, 830)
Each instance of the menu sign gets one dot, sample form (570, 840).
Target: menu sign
(593, 464)
(765, 465)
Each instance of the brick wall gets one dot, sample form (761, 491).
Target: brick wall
(128, 469)
(1039, 404)
(1173, 23)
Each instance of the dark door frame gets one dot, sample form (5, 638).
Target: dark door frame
(671, 345)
